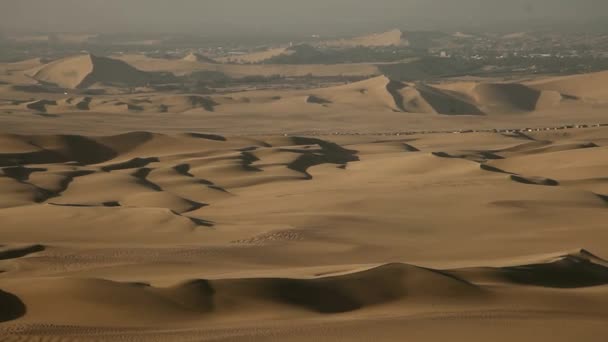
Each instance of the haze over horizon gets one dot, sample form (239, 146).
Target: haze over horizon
(234, 17)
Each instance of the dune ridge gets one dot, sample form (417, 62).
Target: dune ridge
(379, 93)
(83, 71)
(584, 86)
(482, 98)
(398, 284)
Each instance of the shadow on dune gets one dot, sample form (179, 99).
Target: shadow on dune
(477, 156)
(72, 148)
(142, 178)
(317, 100)
(389, 284)
(20, 173)
(57, 149)
(130, 164)
(443, 102)
(329, 153)
(386, 284)
(579, 269)
(410, 148)
(13, 253)
(207, 136)
(349, 292)
(11, 307)
(511, 96)
(247, 159)
(490, 168)
(569, 271)
(534, 180)
(393, 88)
(184, 170)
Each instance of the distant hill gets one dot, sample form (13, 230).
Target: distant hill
(388, 38)
(256, 57)
(197, 57)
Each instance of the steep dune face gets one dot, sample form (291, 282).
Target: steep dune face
(12, 307)
(368, 94)
(399, 96)
(420, 98)
(40, 105)
(506, 97)
(85, 70)
(577, 269)
(587, 86)
(67, 72)
(451, 99)
(574, 270)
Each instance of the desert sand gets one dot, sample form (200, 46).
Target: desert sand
(376, 210)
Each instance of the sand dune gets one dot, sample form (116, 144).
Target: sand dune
(577, 269)
(40, 105)
(399, 288)
(375, 210)
(200, 236)
(549, 94)
(452, 99)
(86, 70)
(513, 97)
(382, 92)
(585, 86)
(18, 252)
(378, 94)
(220, 299)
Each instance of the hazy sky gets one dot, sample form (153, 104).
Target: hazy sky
(217, 17)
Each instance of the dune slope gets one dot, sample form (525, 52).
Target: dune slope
(85, 70)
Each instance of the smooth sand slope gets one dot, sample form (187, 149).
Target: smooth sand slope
(86, 70)
(145, 236)
(591, 86)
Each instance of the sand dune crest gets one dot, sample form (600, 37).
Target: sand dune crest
(83, 71)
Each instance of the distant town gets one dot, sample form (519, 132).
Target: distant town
(404, 55)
